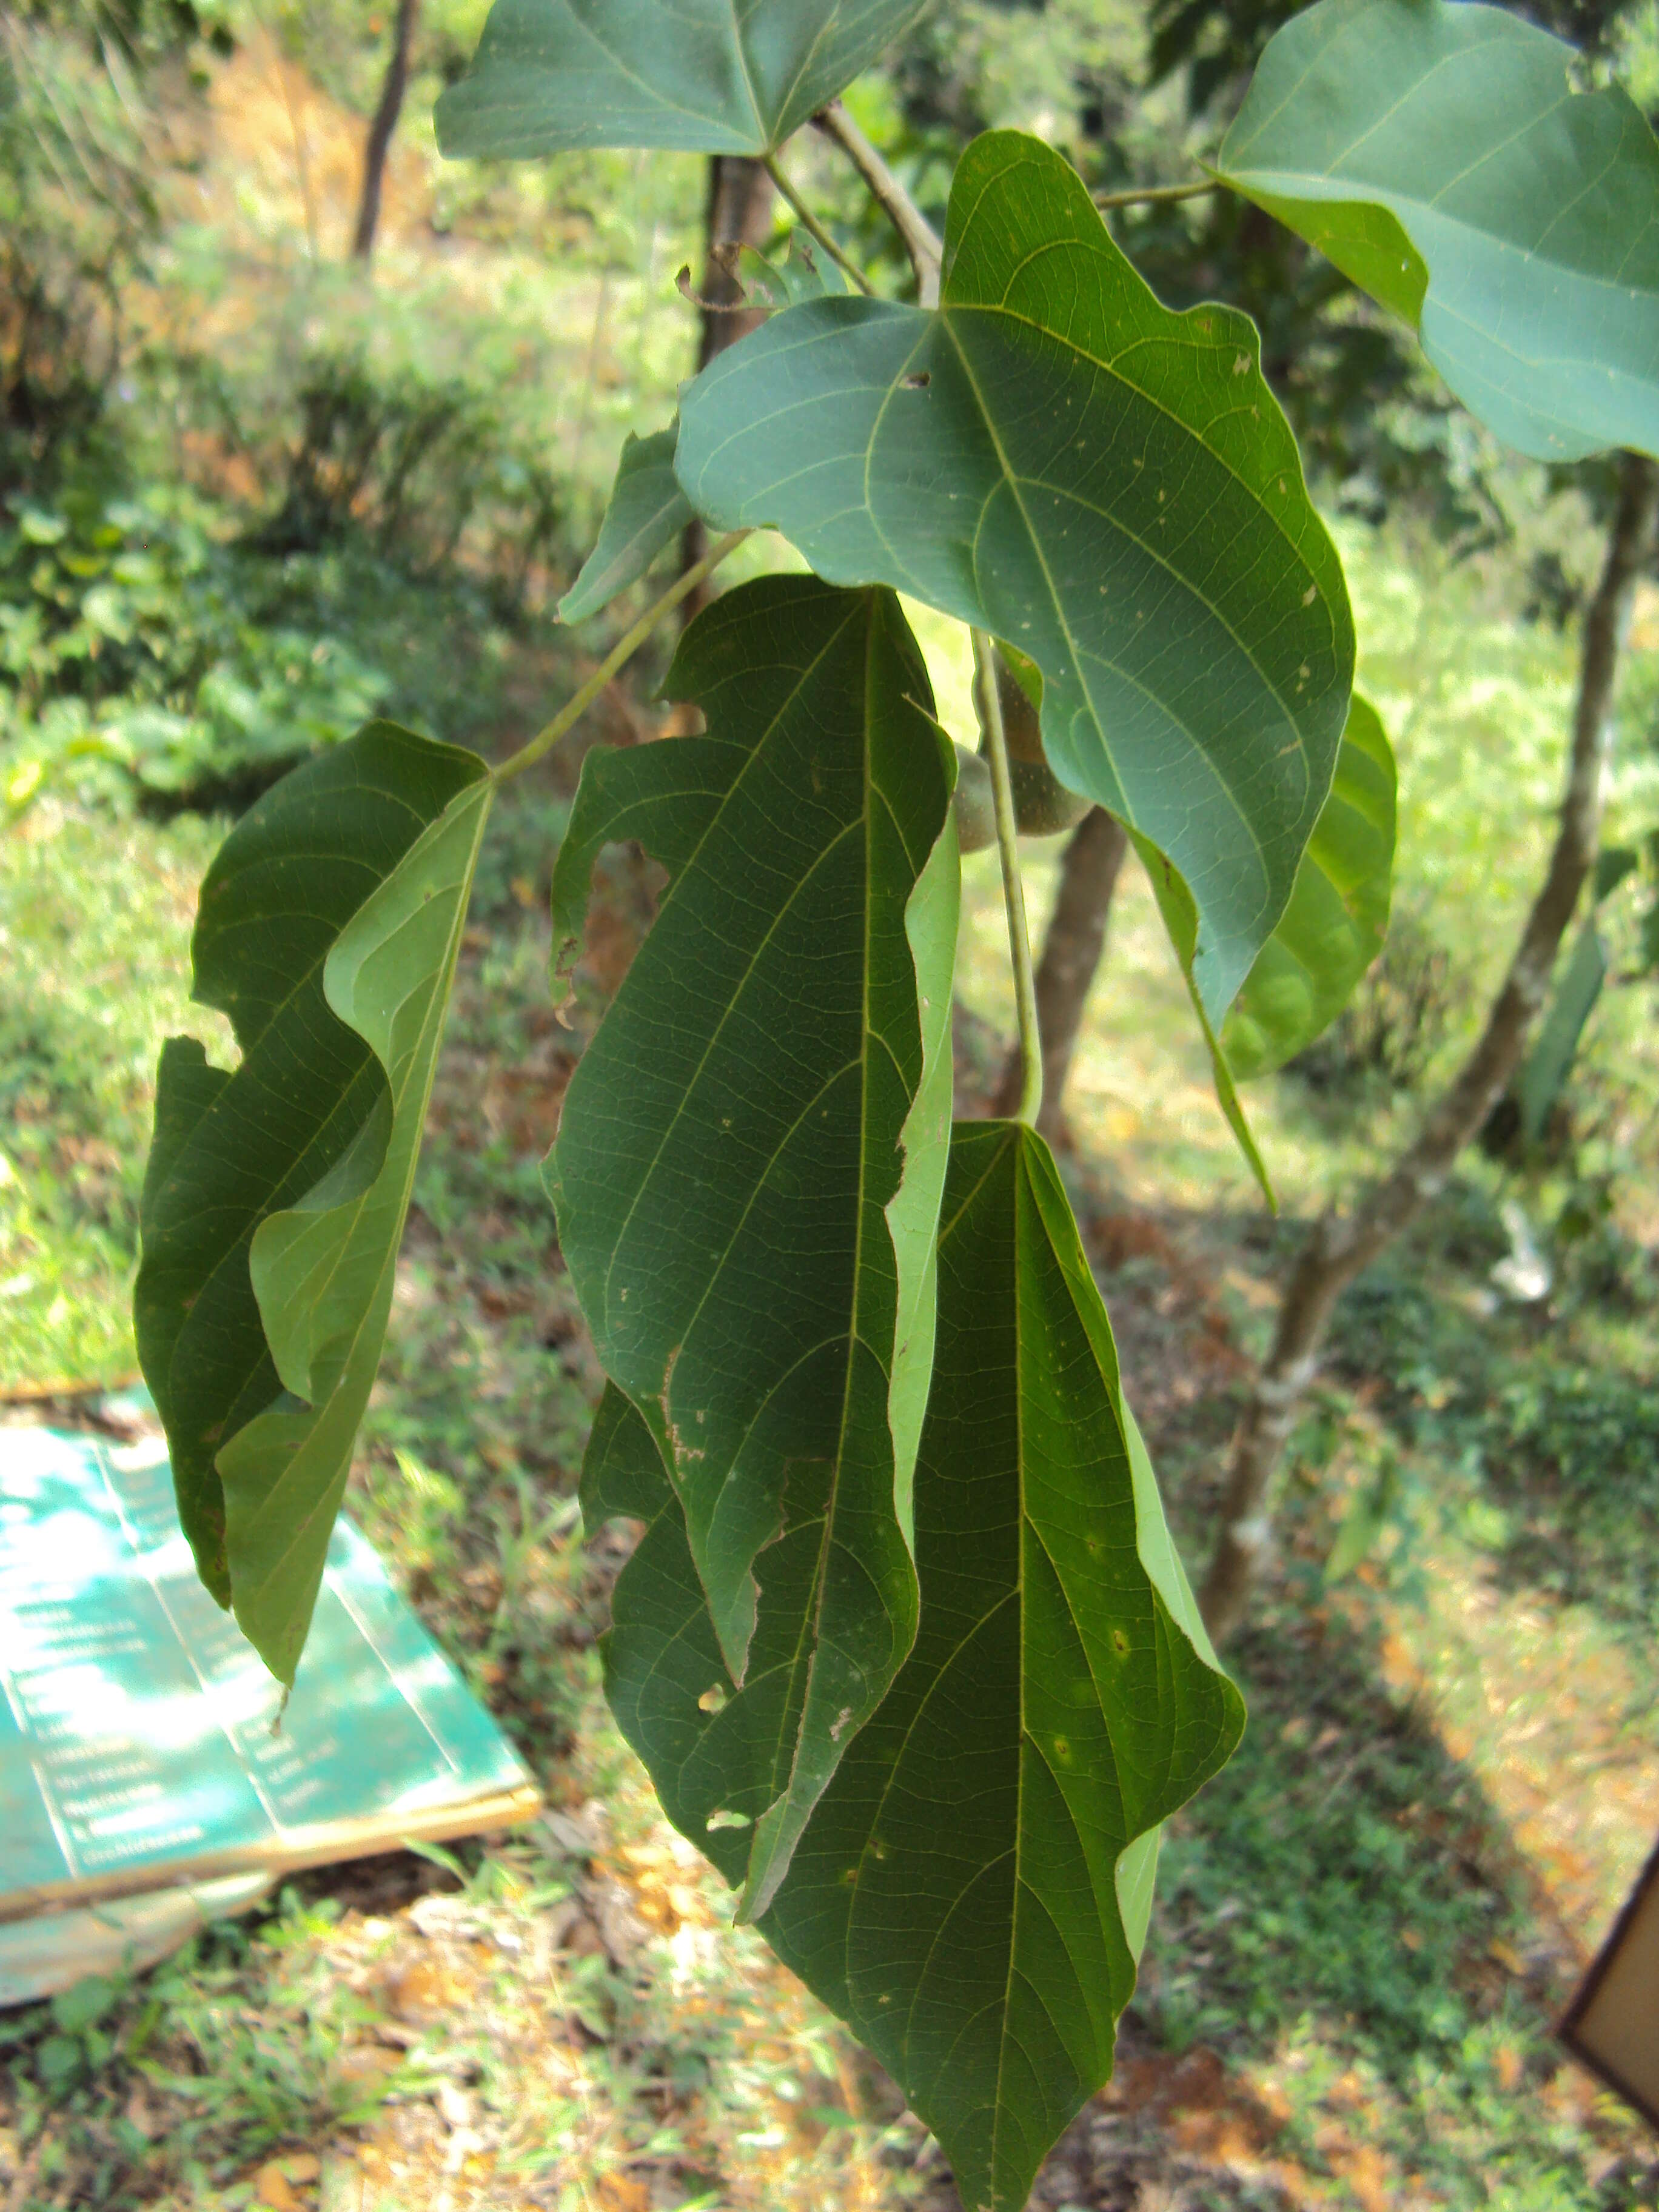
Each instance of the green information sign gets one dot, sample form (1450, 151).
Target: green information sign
(140, 1741)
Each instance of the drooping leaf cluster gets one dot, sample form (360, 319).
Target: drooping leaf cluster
(904, 1643)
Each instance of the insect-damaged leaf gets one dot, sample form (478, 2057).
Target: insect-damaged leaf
(1441, 157)
(972, 1891)
(1110, 487)
(805, 272)
(276, 1193)
(647, 512)
(748, 1164)
(715, 76)
(1333, 927)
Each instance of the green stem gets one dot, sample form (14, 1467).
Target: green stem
(1150, 193)
(1013, 889)
(810, 224)
(623, 651)
(920, 240)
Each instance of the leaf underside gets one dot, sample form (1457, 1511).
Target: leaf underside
(647, 511)
(714, 77)
(749, 1163)
(1055, 457)
(971, 1892)
(1333, 927)
(276, 1193)
(1442, 158)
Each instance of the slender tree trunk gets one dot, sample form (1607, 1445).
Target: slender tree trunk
(380, 130)
(1340, 1245)
(1071, 954)
(738, 214)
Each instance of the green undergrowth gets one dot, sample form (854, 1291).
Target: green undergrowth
(1345, 1919)
(93, 916)
(1533, 1430)
(149, 652)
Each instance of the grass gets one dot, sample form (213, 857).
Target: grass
(94, 914)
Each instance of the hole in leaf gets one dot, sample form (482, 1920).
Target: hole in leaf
(727, 1819)
(712, 1700)
(918, 380)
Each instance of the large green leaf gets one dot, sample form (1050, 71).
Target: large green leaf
(748, 1169)
(973, 1889)
(276, 1193)
(647, 512)
(1055, 457)
(1333, 927)
(1442, 157)
(714, 77)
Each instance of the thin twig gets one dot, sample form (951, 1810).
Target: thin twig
(810, 223)
(1144, 193)
(623, 651)
(1013, 889)
(922, 240)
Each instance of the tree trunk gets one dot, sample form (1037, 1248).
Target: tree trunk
(738, 214)
(380, 130)
(1071, 954)
(1341, 1245)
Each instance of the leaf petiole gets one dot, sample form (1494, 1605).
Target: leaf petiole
(622, 652)
(1146, 195)
(989, 702)
(921, 239)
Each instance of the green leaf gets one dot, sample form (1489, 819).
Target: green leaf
(647, 511)
(1333, 927)
(275, 1197)
(1550, 1061)
(714, 77)
(1440, 156)
(748, 1170)
(1111, 487)
(806, 272)
(1613, 864)
(973, 1890)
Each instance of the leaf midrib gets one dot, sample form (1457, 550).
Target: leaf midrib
(1003, 2037)
(821, 1571)
(1203, 754)
(677, 891)
(942, 1672)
